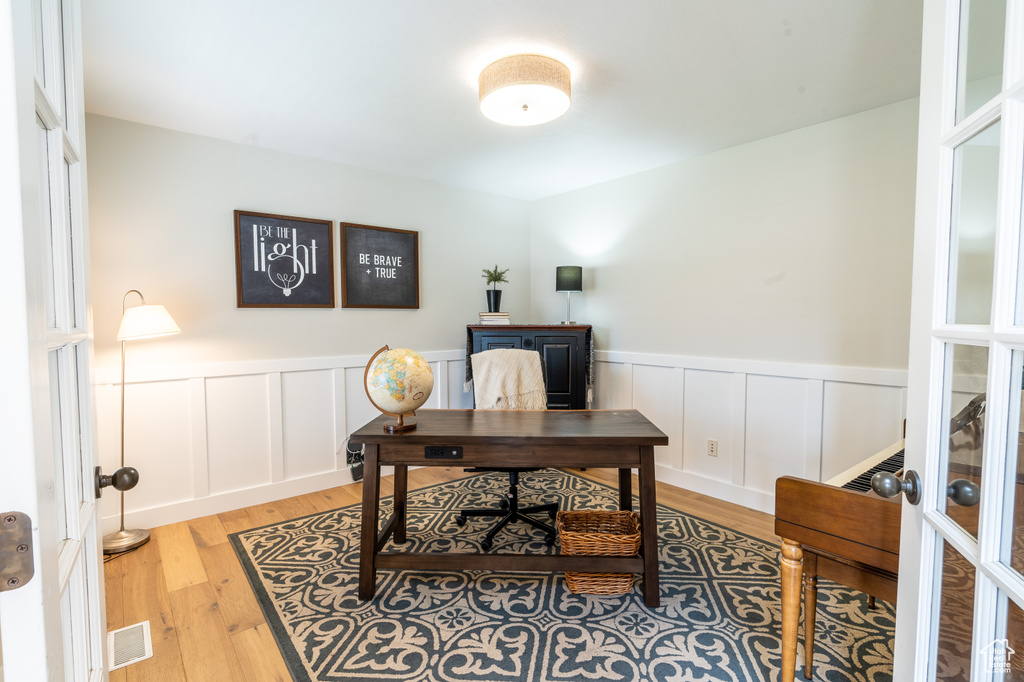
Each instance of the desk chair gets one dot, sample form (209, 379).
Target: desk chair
(509, 379)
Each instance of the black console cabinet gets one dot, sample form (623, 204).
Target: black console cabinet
(563, 350)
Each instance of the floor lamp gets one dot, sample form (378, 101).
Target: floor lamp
(137, 322)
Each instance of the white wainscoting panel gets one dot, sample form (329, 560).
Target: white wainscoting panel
(157, 440)
(846, 441)
(613, 388)
(210, 438)
(709, 414)
(458, 398)
(658, 393)
(307, 400)
(358, 409)
(770, 419)
(776, 430)
(239, 431)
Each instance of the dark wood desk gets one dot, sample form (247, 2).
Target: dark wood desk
(619, 439)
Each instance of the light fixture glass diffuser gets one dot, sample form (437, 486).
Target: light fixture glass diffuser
(525, 90)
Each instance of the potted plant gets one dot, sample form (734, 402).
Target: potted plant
(494, 277)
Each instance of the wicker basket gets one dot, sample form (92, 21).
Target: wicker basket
(610, 533)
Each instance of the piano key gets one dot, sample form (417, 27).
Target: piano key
(863, 481)
(864, 465)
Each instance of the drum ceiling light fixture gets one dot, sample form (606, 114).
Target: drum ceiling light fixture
(524, 90)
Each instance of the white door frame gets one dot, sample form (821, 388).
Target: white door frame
(926, 527)
(53, 625)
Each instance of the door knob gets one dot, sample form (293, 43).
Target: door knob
(963, 492)
(123, 479)
(889, 485)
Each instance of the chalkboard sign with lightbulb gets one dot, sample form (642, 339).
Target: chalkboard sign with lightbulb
(283, 262)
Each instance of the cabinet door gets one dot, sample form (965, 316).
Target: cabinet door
(561, 357)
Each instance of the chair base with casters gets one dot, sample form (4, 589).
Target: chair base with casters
(511, 511)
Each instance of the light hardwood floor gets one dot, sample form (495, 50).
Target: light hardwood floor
(204, 620)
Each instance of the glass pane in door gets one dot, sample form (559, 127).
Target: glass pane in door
(1012, 543)
(1000, 659)
(956, 617)
(43, 139)
(76, 304)
(965, 394)
(38, 31)
(56, 48)
(973, 228)
(74, 619)
(980, 62)
(59, 427)
(71, 393)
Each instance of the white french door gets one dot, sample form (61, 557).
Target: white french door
(961, 593)
(52, 622)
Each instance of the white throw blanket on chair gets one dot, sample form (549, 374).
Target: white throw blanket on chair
(508, 379)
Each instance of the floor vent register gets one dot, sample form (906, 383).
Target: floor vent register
(129, 645)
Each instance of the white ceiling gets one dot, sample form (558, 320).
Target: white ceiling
(390, 85)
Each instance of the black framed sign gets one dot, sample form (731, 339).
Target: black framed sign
(283, 262)
(379, 267)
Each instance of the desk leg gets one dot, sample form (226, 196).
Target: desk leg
(792, 568)
(626, 489)
(649, 525)
(370, 514)
(810, 611)
(401, 494)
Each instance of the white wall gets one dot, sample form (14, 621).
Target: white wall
(161, 212)
(758, 296)
(207, 435)
(795, 248)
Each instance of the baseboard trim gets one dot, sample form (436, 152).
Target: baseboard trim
(227, 501)
(722, 490)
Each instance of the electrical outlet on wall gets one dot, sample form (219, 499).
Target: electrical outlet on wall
(712, 448)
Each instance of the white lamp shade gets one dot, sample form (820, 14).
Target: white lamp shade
(525, 90)
(145, 322)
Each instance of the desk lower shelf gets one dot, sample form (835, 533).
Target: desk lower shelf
(510, 562)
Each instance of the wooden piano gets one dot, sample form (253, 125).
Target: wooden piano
(838, 530)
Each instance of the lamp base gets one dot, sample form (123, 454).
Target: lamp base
(124, 540)
(568, 322)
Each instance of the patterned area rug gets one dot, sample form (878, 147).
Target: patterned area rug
(720, 617)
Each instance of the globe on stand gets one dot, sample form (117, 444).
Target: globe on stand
(397, 382)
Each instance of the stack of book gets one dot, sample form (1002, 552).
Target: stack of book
(494, 318)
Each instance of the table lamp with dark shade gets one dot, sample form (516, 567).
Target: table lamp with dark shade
(568, 278)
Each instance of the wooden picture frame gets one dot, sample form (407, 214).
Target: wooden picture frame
(380, 267)
(283, 261)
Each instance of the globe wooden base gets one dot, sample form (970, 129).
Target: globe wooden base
(400, 425)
